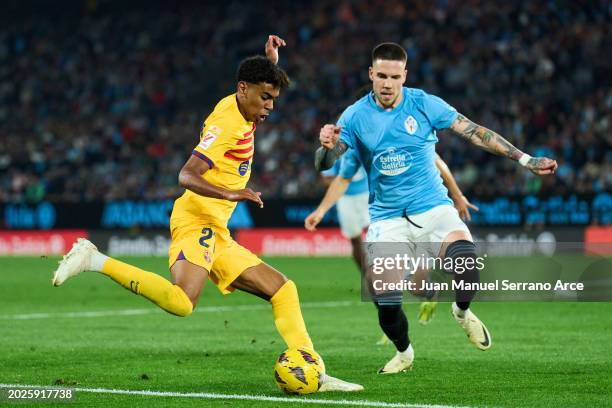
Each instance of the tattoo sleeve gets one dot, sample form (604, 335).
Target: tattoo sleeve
(484, 138)
(325, 158)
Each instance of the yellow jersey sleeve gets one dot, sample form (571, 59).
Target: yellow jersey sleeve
(227, 145)
(213, 143)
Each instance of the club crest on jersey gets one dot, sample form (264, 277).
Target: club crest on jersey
(243, 168)
(393, 161)
(411, 125)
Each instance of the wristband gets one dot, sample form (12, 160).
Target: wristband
(524, 159)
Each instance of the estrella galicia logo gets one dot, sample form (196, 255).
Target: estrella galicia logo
(393, 161)
(243, 168)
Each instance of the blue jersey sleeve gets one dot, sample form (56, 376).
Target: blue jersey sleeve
(350, 164)
(346, 134)
(440, 114)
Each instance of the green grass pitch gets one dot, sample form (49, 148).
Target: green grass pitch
(544, 354)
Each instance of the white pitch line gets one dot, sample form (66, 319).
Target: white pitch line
(138, 312)
(245, 397)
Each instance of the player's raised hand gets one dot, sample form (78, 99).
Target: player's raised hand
(329, 135)
(311, 222)
(541, 165)
(245, 195)
(272, 45)
(463, 205)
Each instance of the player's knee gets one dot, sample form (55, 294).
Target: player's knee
(273, 283)
(284, 286)
(463, 253)
(191, 305)
(189, 280)
(279, 282)
(261, 280)
(185, 299)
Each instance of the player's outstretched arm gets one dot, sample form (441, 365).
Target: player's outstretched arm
(496, 144)
(272, 45)
(462, 204)
(336, 189)
(331, 149)
(190, 177)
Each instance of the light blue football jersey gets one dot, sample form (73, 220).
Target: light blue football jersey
(397, 150)
(349, 167)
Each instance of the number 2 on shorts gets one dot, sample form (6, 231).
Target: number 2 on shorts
(207, 233)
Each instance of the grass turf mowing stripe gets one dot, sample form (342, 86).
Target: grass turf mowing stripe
(244, 397)
(138, 312)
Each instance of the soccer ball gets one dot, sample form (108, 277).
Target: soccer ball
(299, 371)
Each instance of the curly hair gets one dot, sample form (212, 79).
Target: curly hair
(260, 69)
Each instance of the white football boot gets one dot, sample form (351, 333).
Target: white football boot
(400, 362)
(335, 384)
(477, 332)
(75, 261)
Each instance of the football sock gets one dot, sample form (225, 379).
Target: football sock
(409, 352)
(158, 290)
(394, 324)
(464, 249)
(288, 317)
(460, 313)
(97, 261)
(463, 306)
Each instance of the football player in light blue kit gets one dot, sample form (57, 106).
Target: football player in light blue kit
(353, 217)
(393, 132)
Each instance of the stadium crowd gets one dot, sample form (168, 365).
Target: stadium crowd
(105, 101)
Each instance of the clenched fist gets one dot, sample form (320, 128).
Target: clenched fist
(329, 135)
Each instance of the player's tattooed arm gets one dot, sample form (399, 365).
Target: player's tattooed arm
(484, 138)
(496, 144)
(331, 148)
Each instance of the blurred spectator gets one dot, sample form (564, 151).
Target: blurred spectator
(104, 100)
